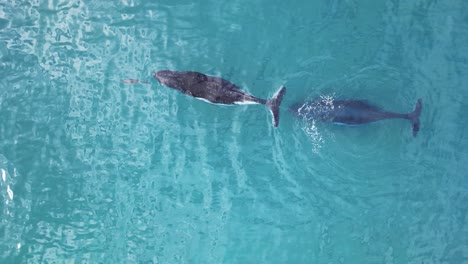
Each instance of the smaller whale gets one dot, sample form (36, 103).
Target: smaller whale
(216, 90)
(352, 112)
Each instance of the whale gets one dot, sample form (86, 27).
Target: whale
(216, 90)
(352, 112)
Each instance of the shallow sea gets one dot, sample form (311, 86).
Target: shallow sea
(97, 171)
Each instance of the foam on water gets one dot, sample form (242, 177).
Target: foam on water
(311, 130)
(308, 113)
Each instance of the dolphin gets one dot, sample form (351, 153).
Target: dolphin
(216, 90)
(352, 112)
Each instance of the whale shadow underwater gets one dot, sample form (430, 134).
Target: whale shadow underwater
(352, 112)
(216, 90)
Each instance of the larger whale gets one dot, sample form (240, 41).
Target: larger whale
(352, 112)
(216, 90)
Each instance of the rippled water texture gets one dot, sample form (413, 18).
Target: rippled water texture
(97, 171)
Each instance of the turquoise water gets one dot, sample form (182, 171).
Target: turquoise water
(97, 171)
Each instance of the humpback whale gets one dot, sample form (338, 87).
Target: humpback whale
(352, 112)
(216, 90)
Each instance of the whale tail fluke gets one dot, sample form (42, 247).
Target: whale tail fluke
(274, 103)
(414, 117)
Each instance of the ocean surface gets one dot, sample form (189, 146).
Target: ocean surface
(94, 170)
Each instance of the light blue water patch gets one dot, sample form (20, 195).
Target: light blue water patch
(93, 170)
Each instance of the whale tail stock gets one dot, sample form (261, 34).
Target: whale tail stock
(274, 103)
(414, 117)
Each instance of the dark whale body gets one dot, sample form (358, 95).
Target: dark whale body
(216, 90)
(352, 112)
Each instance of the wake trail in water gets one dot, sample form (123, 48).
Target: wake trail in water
(133, 81)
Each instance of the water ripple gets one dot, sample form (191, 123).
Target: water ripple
(93, 170)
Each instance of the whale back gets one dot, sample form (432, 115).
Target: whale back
(355, 112)
(201, 86)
